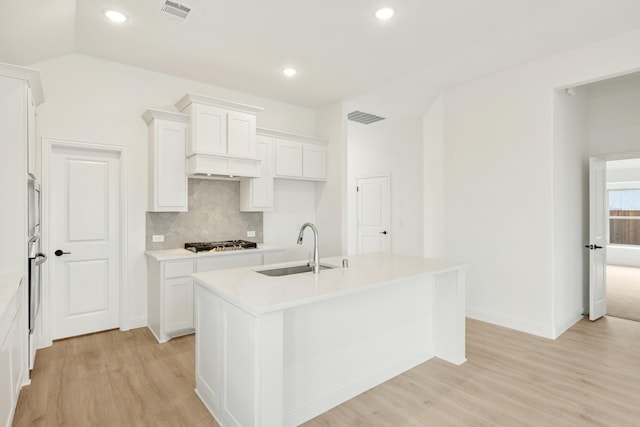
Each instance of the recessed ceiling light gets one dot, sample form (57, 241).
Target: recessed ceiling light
(115, 16)
(289, 72)
(384, 13)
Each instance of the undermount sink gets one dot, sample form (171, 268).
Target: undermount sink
(294, 269)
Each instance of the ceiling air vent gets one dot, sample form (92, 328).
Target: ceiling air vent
(364, 118)
(175, 10)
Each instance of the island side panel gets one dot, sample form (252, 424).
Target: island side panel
(449, 316)
(238, 362)
(339, 348)
(208, 319)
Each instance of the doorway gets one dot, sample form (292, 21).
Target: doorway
(623, 243)
(373, 214)
(86, 234)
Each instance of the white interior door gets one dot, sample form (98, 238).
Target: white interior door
(373, 214)
(597, 238)
(85, 232)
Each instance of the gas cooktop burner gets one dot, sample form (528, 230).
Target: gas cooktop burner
(225, 245)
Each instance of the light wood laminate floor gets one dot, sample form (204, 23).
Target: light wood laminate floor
(590, 376)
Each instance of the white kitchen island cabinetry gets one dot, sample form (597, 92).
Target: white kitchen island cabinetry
(222, 136)
(13, 344)
(170, 286)
(278, 351)
(167, 161)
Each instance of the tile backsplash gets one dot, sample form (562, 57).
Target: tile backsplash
(214, 214)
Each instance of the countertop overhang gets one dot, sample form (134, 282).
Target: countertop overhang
(258, 293)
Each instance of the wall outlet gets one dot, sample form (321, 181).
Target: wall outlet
(251, 233)
(157, 238)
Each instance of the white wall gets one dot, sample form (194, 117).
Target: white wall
(433, 171)
(295, 203)
(613, 111)
(570, 209)
(331, 196)
(93, 100)
(391, 146)
(499, 182)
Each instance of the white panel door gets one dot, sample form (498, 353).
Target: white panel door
(241, 134)
(85, 232)
(373, 214)
(597, 238)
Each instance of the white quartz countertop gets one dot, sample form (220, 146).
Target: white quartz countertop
(258, 293)
(171, 254)
(9, 284)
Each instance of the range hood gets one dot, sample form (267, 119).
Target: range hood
(214, 166)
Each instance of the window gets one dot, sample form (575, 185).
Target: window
(624, 217)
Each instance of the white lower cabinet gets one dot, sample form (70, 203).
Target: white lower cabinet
(6, 384)
(170, 287)
(13, 355)
(178, 304)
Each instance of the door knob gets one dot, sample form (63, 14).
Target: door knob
(59, 252)
(383, 232)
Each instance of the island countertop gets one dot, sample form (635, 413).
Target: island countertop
(258, 293)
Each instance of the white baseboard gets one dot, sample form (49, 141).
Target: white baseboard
(137, 321)
(349, 391)
(539, 329)
(564, 324)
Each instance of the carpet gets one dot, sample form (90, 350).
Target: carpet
(623, 292)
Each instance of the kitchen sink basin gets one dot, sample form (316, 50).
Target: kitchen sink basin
(295, 269)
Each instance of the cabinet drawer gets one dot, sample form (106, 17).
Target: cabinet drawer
(178, 269)
(229, 261)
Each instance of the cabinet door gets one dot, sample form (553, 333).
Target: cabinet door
(314, 161)
(241, 134)
(18, 335)
(288, 159)
(209, 129)
(6, 388)
(170, 175)
(178, 304)
(32, 152)
(256, 194)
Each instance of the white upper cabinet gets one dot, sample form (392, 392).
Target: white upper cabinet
(314, 161)
(222, 140)
(298, 156)
(209, 129)
(32, 150)
(256, 194)
(167, 161)
(241, 128)
(288, 159)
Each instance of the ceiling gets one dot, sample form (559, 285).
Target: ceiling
(340, 49)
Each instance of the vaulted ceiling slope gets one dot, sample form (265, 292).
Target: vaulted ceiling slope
(339, 48)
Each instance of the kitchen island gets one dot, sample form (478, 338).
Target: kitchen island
(278, 351)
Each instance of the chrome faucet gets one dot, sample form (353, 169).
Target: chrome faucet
(316, 254)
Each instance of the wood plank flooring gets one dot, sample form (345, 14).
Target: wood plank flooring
(590, 376)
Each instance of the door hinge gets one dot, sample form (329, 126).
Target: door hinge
(357, 189)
